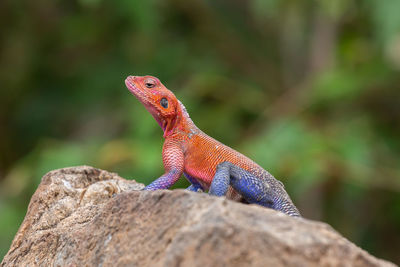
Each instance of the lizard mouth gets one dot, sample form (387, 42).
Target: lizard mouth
(136, 91)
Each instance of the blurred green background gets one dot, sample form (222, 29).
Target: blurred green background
(308, 89)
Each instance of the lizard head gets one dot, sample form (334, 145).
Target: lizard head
(157, 99)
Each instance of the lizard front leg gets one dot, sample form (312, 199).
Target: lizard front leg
(265, 191)
(173, 159)
(195, 185)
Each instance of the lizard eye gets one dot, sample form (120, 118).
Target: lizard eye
(164, 102)
(150, 84)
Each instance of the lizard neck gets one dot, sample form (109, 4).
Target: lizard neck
(181, 122)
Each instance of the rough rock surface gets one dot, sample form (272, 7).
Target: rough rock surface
(83, 216)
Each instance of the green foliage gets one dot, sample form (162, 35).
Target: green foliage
(309, 90)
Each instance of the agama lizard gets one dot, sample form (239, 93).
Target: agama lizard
(205, 162)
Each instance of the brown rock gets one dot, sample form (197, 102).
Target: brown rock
(83, 216)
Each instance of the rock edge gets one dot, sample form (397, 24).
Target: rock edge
(83, 215)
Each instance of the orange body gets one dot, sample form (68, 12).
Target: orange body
(203, 154)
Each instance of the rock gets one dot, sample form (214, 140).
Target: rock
(86, 216)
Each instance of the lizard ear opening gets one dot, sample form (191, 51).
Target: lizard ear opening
(164, 102)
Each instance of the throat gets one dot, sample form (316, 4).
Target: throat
(169, 125)
(177, 124)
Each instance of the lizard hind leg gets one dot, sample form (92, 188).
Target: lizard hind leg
(254, 190)
(245, 183)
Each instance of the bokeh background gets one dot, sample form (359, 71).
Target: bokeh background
(308, 89)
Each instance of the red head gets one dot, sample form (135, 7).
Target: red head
(157, 99)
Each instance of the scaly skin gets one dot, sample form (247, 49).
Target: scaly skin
(206, 163)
